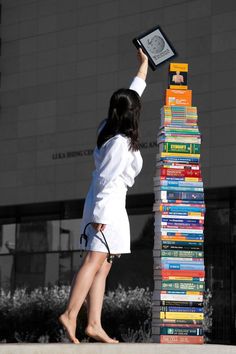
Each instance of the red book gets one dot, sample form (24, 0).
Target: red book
(183, 273)
(169, 339)
(174, 172)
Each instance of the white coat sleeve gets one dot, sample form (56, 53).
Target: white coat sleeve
(138, 85)
(113, 164)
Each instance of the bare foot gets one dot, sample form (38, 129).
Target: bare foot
(70, 327)
(98, 333)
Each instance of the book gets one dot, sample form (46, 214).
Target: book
(181, 303)
(172, 339)
(179, 172)
(183, 331)
(180, 297)
(177, 322)
(181, 309)
(188, 148)
(182, 260)
(176, 183)
(190, 196)
(169, 220)
(179, 207)
(178, 155)
(185, 268)
(182, 292)
(178, 76)
(182, 237)
(182, 315)
(189, 254)
(177, 189)
(178, 97)
(181, 285)
(191, 273)
(181, 247)
(183, 214)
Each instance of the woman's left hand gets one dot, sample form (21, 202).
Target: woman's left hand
(98, 227)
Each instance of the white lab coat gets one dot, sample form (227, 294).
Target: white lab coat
(116, 167)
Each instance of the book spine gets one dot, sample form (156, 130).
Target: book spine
(180, 298)
(182, 303)
(195, 254)
(172, 339)
(170, 285)
(181, 220)
(177, 269)
(162, 322)
(182, 315)
(170, 172)
(183, 273)
(177, 183)
(182, 260)
(178, 322)
(181, 309)
(193, 196)
(181, 331)
(180, 247)
(183, 148)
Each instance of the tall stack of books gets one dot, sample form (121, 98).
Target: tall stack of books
(179, 207)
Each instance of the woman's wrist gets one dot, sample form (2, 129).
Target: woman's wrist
(142, 71)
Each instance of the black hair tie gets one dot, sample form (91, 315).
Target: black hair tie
(85, 237)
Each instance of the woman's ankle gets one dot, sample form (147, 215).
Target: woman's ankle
(70, 314)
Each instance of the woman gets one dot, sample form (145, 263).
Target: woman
(118, 161)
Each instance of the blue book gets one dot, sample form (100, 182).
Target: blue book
(182, 208)
(182, 221)
(181, 189)
(183, 267)
(181, 309)
(181, 184)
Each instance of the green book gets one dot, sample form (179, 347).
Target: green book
(188, 148)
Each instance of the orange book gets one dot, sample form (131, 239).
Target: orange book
(178, 97)
(176, 339)
(184, 273)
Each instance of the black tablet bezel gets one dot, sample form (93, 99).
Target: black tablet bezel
(138, 44)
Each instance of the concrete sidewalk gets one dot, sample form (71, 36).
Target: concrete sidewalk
(121, 348)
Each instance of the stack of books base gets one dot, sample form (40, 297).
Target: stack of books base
(179, 272)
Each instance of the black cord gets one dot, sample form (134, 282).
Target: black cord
(85, 236)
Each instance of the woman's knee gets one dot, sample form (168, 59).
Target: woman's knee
(105, 269)
(95, 259)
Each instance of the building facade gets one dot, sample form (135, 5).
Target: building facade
(60, 62)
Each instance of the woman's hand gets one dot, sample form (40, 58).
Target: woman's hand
(143, 68)
(98, 227)
(142, 57)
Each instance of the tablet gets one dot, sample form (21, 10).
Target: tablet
(156, 46)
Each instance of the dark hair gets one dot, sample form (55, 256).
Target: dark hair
(123, 118)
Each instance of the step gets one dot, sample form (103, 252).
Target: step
(121, 348)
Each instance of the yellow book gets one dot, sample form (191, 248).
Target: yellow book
(178, 76)
(182, 315)
(192, 179)
(165, 154)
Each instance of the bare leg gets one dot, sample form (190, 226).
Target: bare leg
(95, 300)
(81, 285)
